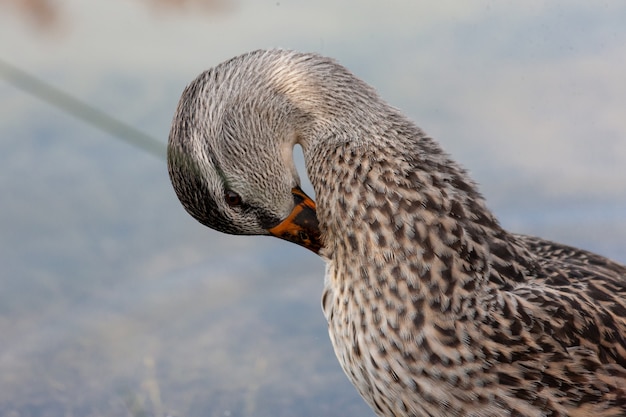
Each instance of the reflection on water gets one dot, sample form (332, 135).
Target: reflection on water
(202, 341)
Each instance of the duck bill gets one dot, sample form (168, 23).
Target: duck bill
(301, 226)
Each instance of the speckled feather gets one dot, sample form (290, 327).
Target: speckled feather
(433, 308)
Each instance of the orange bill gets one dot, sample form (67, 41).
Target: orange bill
(301, 226)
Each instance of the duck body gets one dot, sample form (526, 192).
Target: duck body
(433, 308)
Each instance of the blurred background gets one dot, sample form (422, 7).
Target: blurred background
(115, 302)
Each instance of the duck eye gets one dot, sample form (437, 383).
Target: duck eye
(232, 198)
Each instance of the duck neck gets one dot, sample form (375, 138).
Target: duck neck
(400, 214)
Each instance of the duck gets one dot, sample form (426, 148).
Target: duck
(433, 308)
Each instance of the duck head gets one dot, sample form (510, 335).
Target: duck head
(230, 157)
